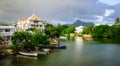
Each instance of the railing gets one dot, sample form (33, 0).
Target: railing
(6, 33)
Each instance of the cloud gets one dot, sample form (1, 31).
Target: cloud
(110, 2)
(108, 12)
(54, 11)
(56, 22)
(99, 18)
(116, 11)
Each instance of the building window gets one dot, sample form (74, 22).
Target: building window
(40, 25)
(35, 21)
(32, 25)
(7, 30)
(7, 38)
(1, 30)
(36, 25)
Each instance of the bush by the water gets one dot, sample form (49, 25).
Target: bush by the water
(103, 31)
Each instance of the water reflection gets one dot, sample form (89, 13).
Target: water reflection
(107, 40)
(78, 44)
(78, 53)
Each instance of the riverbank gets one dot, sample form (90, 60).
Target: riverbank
(78, 53)
(5, 51)
(85, 36)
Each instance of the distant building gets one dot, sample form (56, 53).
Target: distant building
(31, 22)
(6, 32)
(79, 29)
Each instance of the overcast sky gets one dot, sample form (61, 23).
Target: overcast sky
(61, 11)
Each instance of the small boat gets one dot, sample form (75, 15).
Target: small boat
(28, 54)
(47, 50)
(58, 47)
(63, 37)
(42, 53)
(27, 57)
(62, 47)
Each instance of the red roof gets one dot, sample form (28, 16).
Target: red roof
(32, 18)
(23, 19)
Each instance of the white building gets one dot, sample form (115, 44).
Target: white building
(79, 29)
(31, 22)
(6, 32)
(22, 24)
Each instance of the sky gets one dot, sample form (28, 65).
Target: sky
(110, 2)
(61, 11)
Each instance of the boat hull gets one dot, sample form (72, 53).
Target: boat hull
(28, 54)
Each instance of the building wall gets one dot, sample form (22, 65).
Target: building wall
(79, 29)
(22, 24)
(31, 22)
(6, 32)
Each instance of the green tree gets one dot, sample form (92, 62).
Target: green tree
(40, 39)
(100, 31)
(23, 40)
(88, 30)
(1, 40)
(60, 28)
(117, 21)
(34, 30)
(20, 40)
(115, 31)
(51, 31)
(68, 30)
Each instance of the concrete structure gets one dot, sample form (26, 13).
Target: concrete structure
(22, 24)
(6, 32)
(31, 22)
(79, 29)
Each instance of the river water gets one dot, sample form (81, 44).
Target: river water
(78, 53)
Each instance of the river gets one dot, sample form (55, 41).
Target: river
(78, 53)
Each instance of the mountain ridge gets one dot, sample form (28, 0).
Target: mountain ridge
(81, 23)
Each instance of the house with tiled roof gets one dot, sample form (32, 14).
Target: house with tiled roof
(30, 22)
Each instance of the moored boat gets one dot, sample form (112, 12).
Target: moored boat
(35, 54)
(47, 50)
(54, 47)
(57, 47)
(63, 37)
(28, 54)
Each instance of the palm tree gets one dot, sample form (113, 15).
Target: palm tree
(117, 21)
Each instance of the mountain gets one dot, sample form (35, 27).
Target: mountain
(3, 24)
(81, 23)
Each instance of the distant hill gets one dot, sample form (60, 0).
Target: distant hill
(81, 23)
(3, 24)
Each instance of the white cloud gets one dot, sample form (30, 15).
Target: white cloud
(110, 2)
(53, 11)
(56, 22)
(99, 18)
(108, 12)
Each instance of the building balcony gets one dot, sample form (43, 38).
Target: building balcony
(6, 33)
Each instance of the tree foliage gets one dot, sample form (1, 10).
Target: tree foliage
(1, 39)
(100, 31)
(103, 31)
(68, 30)
(21, 39)
(28, 41)
(54, 31)
(40, 39)
(51, 31)
(117, 21)
(88, 30)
